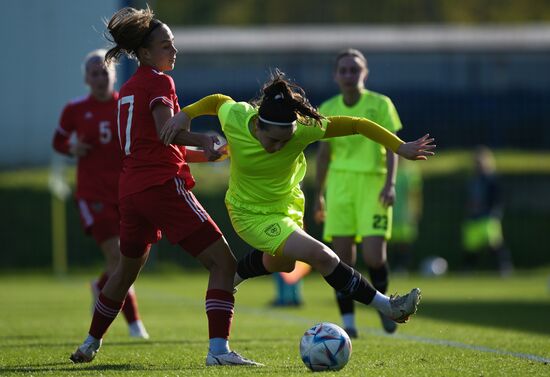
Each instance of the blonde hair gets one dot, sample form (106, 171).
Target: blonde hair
(98, 54)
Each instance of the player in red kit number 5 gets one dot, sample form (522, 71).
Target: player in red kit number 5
(155, 184)
(93, 119)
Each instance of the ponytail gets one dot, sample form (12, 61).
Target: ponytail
(283, 102)
(129, 29)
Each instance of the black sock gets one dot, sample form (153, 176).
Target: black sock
(379, 277)
(348, 282)
(252, 265)
(345, 303)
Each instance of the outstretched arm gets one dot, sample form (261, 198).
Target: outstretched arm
(343, 126)
(208, 105)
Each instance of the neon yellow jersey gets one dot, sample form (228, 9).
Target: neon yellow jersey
(260, 180)
(355, 152)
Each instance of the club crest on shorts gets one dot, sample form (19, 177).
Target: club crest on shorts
(273, 230)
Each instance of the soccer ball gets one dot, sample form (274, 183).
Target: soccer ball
(325, 346)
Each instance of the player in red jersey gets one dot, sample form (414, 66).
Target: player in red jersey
(93, 119)
(155, 186)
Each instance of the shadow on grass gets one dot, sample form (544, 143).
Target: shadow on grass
(67, 367)
(128, 343)
(511, 315)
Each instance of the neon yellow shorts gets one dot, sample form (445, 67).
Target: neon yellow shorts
(480, 233)
(353, 207)
(267, 230)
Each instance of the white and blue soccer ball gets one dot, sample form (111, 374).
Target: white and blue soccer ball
(325, 346)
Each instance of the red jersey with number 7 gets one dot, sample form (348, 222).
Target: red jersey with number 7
(94, 123)
(146, 160)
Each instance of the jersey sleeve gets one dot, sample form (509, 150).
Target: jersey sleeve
(163, 91)
(209, 105)
(323, 109)
(223, 113)
(63, 132)
(391, 122)
(313, 132)
(345, 125)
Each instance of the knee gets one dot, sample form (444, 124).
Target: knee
(323, 258)
(220, 261)
(226, 262)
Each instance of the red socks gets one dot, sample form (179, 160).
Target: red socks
(105, 313)
(130, 307)
(219, 309)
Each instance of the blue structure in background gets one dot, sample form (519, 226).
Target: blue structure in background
(468, 86)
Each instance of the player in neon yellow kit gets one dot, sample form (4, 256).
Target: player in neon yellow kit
(264, 199)
(360, 177)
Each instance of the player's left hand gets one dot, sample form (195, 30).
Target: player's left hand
(387, 195)
(417, 150)
(173, 126)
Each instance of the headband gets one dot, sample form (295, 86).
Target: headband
(287, 124)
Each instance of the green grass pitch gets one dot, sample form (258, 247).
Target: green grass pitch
(465, 326)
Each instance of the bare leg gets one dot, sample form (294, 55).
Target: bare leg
(123, 277)
(221, 263)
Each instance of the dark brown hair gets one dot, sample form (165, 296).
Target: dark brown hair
(284, 101)
(129, 29)
(350, 52)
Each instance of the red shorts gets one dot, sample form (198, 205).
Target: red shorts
(100, 220)
(169, 208)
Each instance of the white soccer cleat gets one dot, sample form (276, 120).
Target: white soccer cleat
(137, 330)
(402, 307)
(388, 324)
(86, 352)
(230, 358)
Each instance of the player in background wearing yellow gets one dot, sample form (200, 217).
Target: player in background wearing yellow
(482, 229)
(264, 200)
(360, 181)
(92, 120)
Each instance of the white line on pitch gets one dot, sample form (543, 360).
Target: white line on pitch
(420, 339)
